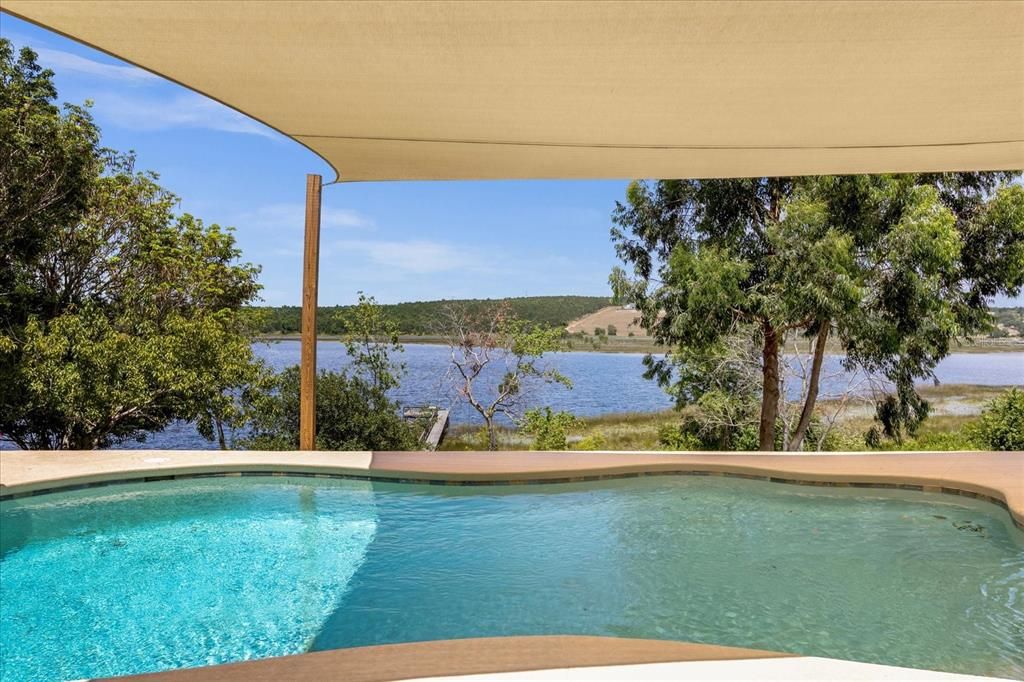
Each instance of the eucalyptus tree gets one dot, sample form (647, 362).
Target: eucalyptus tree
(891, 269)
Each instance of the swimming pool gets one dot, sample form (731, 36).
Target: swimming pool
(151, 576)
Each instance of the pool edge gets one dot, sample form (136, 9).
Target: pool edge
(996, 477)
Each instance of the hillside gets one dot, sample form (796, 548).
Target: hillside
(419, 318)
(578, 314)
(1009, 322)
(624, 321)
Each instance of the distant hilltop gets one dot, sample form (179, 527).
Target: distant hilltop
(577, 314)
(610, 320)
(420, 317)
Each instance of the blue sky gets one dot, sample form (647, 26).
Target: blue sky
(398, 241)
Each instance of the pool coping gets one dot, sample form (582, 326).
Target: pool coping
(996, 477)
(458, 657)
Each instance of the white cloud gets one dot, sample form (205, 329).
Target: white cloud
(292, 217)
(65, 62)
(147, 109)
(185, 110)
(418, 257)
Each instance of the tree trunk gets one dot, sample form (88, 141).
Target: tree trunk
(221, 440)
(812, 389)
(769, 388)
(492, 436)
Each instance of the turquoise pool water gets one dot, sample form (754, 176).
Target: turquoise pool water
(152, 576)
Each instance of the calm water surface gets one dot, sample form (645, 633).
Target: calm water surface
(164, 575)
(603, 383)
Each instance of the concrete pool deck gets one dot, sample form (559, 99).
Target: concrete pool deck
(995, 476)
(549, 659)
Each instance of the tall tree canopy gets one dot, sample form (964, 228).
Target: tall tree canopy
(895, 268)
(116, 315)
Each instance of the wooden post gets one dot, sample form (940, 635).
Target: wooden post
(310, 277)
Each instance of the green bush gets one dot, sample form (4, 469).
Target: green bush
(592, 442)
(964, 439)
(1001, 426)
(351, 414)
(549, 428)
(839, 440)
(672, 437)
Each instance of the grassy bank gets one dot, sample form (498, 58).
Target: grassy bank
(642, 344)
(954, 407)
(622, 344)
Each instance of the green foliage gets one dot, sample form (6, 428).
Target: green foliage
(677, 437)
(895, 268)
(594, 441)
(549, 429)
(897, 414)
(420, 318)
(715, 387)
(121, 317)
(942, 441)
(1001, 426)
(612, 331)
(370, 339)
(351, 414)
(353, 410)
(50, 158)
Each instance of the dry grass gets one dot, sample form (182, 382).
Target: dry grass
(623, 319)
(954, 407)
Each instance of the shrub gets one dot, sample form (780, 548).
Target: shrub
(964, 439)
(351, 414)
(595, 441)
(672, 437)
(549, 428)
(1001, 426)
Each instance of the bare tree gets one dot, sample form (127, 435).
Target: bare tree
(496, 341)
(838, 389)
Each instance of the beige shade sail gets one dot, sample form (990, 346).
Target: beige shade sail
(460, 90)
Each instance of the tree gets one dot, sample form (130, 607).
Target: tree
(481, 345)
(353, 409)
(1001, 426)
(371, 338)
(875, 262)
(120, 317)
(49, 158)
(352, 413)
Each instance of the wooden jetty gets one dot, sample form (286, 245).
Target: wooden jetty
(434, 421)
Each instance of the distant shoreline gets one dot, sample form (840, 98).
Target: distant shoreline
(644, 345)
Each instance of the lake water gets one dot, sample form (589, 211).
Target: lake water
(603, 383)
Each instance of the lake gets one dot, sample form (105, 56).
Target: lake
(603, 383)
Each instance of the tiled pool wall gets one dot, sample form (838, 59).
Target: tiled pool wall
(1019, 523)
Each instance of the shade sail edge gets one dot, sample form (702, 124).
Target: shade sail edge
(457, 91)
(5, 9)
